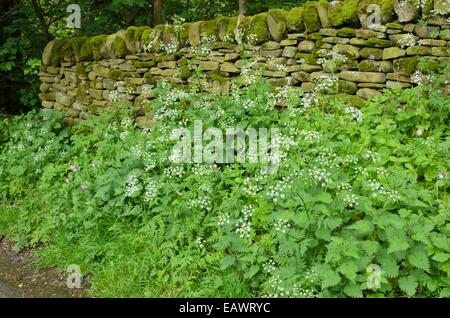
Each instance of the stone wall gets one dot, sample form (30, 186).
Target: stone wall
(83, 76)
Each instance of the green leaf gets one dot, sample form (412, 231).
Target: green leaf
(419, 259)
(397, 243)
(252, 271)
(349, 270)
(408, 285)
(441, 257)
(353, 290)
(227, 261)
(328, 277)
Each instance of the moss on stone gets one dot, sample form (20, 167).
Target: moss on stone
(116, 74)
(57, 52)
(378, 42)
(258, 31)
(147, 36)
(346, 87)
(208, 28)
(184, 72)
(144, 64)
(183, 34)
(311, 17)
(91, 48)
(406, 65)
(343, 13)
(72, 47)
(130, 32)
(279, 14)
(353, 100)
(232, 23)
(368, 66)
(346, 32)
(119, 47)
(138, 33)
(150, 79)
(394, 25)
(294, 20)
(306, 58)
(81, 71)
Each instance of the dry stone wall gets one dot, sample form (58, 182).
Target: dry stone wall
(341, 39)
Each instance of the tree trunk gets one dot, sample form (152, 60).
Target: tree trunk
(158, 10)
(242, 12)
(242, 7)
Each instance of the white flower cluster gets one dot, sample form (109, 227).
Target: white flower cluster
(132, 186)
(278, 190)
(202, 203)
(276, 284)
(343, 186)
(310, 136)
(252, 186)
(407, 40)
(151, 190)
(244, 224)
(320, 176)
(420, 79)
(362, 171)
(269, 267)
(200, 242)
(355, 113)
(282, 226)
(379, 190)
(204, 169)
(223, 220)
(350, 201)
(174, 171)
(273, 63)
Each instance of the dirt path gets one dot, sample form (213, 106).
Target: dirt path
(19, 279)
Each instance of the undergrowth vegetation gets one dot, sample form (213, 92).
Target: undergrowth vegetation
(355, 188)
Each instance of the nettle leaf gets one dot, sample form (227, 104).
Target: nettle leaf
(328, 276)
(389, 267)
(362, 226)
(370, 247)
(227, 261)
(349, 270)
(441, 257)
(252, 271)
(398, 241)
(420, 260)
(408, 285)
(353, 290)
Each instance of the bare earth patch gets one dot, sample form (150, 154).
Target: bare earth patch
(19, 279)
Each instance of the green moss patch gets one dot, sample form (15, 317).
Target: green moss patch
(343, 13)
(258, 31)
(91, 48)
(294, 20)
(311, 17)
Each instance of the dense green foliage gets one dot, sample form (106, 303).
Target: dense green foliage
(355, 188)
